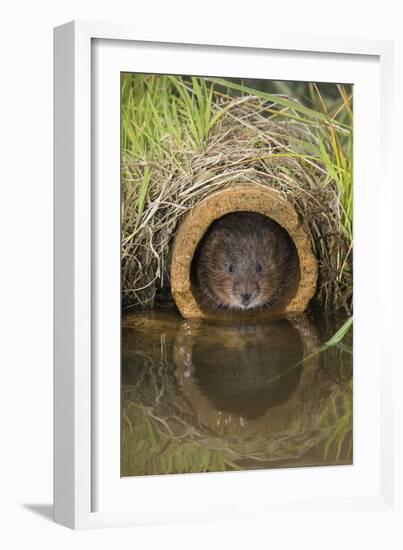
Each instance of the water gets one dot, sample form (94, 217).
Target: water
(208, 397)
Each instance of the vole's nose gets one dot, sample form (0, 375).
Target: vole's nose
(245, 297)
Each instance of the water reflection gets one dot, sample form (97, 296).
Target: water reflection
(247, 370)
(201, 396)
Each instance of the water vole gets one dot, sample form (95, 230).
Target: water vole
(246, 261)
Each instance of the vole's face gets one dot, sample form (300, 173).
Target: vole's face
(243, 283)
(242, 263)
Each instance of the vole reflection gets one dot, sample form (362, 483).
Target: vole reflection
(246, 370)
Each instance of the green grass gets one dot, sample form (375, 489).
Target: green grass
(335, 341)
(329, 139)
(160, 114)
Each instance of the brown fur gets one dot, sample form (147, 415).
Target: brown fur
(246, 261)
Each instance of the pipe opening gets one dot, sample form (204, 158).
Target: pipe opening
(240, 253)
(245, 264)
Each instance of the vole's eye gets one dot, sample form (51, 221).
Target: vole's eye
(231, 268)
(258, 268)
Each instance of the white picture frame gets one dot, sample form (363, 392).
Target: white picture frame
(87, 489)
